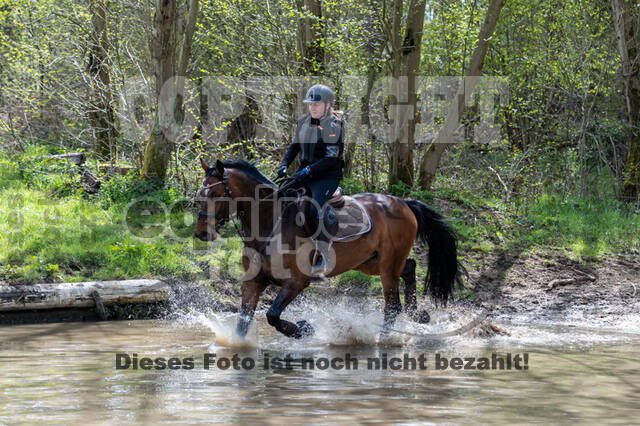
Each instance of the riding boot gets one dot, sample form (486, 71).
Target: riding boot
(322, 266)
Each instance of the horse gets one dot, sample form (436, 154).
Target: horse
(237, 186)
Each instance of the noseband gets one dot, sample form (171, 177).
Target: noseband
(220, 220)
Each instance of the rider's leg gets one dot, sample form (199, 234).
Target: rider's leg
(321, 191)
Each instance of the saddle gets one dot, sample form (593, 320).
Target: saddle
(329, 218)
(344, 217)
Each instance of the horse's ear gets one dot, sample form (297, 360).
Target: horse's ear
(204, 164)
(219, 167)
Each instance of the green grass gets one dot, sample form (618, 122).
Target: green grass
(52, 231)
(588, 227)
(357, 277)
(585, 226)
(74, 239)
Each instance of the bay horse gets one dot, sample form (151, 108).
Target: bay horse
(396, 224)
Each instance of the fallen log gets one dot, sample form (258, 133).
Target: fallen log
(107, 169)
(79, 295)
(75, 157)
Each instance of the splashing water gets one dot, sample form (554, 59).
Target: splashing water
(354, 321)
(347, 321)
(223, 326)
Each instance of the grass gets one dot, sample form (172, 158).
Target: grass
(72, 239)
(588, 227)
(357, 277)
(53, 231)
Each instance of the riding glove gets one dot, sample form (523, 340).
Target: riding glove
(303, 175)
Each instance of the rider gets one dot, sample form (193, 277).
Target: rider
(319, 137)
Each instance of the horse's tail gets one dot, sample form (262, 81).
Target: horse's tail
(444, 269)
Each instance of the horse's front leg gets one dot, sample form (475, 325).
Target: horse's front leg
(289, 292)
(251, 291)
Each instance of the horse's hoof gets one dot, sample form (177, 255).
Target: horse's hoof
(304, 329)
(421, 316)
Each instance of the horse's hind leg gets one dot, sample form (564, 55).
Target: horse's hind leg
(409, 277)
(392, 305)
(410, 303)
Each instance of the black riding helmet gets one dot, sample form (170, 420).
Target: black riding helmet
(319, 93)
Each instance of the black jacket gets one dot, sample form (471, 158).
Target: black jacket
(321, 143)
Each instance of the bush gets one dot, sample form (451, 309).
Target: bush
(401, 190)
(352, 186)
(123, 189)
(58, 178)
(30, 273)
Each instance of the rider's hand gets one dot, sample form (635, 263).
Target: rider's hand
(282, 172)
(303, 175)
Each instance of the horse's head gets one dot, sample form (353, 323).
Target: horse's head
(215, 197)
(234, 179)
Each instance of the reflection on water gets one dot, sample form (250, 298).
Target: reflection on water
(62, 373)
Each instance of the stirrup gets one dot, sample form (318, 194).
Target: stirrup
(320, 268)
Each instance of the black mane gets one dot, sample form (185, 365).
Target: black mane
(243, 165)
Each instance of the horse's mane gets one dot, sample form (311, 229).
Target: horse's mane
(244, 166)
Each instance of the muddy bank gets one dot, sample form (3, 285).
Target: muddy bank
(552, 287)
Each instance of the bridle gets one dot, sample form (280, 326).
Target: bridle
(224, 180)
(220, 219)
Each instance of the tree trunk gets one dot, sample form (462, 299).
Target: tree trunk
(185, 53)
(626, 26)
(169, 111)
(377, 41)
(243, 128)
(434, 152)
(158, 150)
(406, 62)
(310, 36)
(101, 113)
(398, 154)
(350, 148)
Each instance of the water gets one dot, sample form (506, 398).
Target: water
(66, 373)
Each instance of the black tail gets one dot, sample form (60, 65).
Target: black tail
(443, 258)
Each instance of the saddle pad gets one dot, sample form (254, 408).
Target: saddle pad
(353, 220)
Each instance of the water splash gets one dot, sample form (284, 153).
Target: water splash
(355, 321)
(347, 321)
(223, 326)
